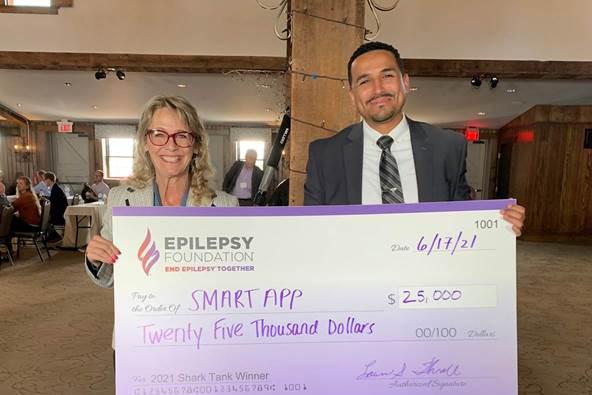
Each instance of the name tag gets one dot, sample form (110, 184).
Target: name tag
(386, 299)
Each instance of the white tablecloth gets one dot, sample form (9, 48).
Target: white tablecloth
(83, 213)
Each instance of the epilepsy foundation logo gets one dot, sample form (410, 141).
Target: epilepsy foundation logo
(148, 256)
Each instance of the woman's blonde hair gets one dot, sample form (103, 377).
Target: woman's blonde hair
(28, 184)
(199, 167)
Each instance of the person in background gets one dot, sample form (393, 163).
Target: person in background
(27, 208)
(57, 198)
(12, 188)
(40, 188)
(243, 179)
(2, 182)
(100, 188)
(3, 199)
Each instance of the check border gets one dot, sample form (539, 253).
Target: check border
(271, 211)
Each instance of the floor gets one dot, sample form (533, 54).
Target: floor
(55, 326)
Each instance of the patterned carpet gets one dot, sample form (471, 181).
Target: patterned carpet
(55, 325)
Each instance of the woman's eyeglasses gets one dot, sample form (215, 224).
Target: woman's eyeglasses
(160, 137)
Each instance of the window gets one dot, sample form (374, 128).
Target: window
(118, 157)
(258, 146)
(33, 6)
(29, 3)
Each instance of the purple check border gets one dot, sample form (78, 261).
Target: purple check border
(470, 205)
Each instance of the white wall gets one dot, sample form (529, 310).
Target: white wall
(488, 29)
(196, 27)
(449, 29)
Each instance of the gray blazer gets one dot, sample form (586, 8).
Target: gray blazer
(334, 170)
(103, 277)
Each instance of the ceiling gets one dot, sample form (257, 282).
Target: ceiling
(239, 98)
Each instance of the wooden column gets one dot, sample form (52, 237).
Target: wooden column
(324, 35)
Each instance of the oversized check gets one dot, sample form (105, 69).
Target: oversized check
(407, 299)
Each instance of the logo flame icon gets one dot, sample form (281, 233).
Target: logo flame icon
(148, 256)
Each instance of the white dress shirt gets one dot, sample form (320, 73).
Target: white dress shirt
(100, 187)
(403, 153)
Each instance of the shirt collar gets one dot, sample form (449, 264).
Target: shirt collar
(398, 133)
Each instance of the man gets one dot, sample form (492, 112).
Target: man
(57, 198)
(243, 179)
(100, 188)
(388, 158)
(40, 188)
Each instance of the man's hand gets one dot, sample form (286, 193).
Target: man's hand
(515, 215)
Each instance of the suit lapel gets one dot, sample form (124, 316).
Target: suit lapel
(353, 152)
(422, 157)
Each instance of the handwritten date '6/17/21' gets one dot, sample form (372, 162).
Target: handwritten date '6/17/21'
(445, 243)
(452, 243)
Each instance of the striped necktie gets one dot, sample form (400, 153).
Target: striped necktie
(390, 181)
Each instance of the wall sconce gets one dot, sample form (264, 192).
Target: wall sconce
(23, 152)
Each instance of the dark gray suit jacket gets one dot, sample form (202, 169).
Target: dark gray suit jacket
(334, 170)
(232, 175)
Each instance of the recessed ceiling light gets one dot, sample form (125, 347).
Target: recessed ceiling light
(414, 89)
(268, 109)
(19, 104)
(94, 107)
(181, 86)
(511, 90)
(68, 84)
(264, 86)
(481, 113)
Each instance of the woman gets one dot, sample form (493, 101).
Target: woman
(27, 208)
(171, 168)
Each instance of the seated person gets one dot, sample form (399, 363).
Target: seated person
(27, 208)
(87, 194)
(40, 188)
(3, 199)
(57, 198)
(100, 189)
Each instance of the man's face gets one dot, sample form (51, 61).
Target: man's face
(47, 182)
(378, 90)
(250, 159)
(98, 177)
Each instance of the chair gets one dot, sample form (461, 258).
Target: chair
(37, 235)
(6, 216)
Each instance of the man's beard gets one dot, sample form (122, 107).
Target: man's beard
(384, 116)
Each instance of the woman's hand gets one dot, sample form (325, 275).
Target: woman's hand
(102, 250)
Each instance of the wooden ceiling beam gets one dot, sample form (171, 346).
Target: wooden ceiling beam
(515, 69)
(463, 68)
(16, 60)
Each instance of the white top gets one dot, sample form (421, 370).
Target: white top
(42, 189)
(100, 187)
(403, 153)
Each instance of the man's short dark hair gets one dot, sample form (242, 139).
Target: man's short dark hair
(374, 46)
(49, 176)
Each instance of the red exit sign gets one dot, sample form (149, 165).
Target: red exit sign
(472, 134)
(64, 127)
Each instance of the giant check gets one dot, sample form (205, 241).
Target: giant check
(407, 299)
